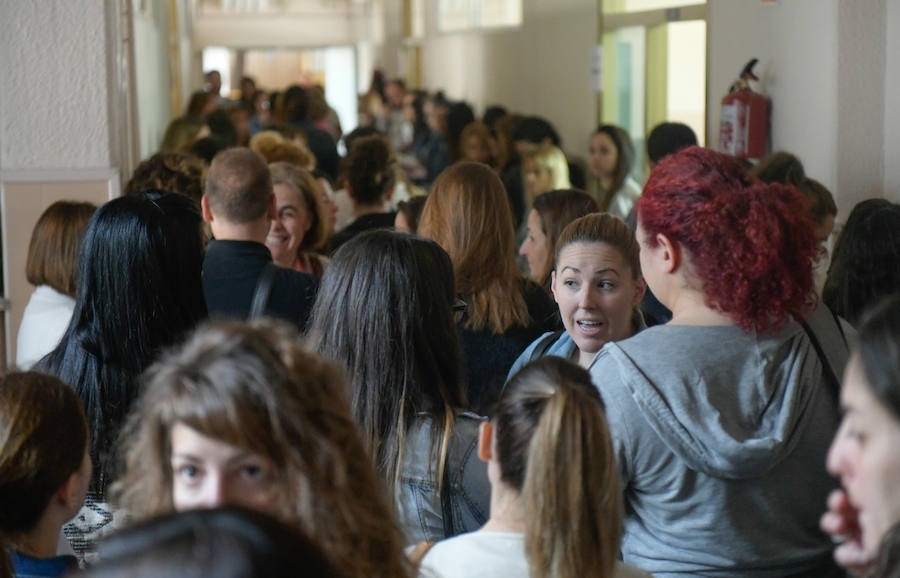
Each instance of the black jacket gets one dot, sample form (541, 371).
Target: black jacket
(230, 273)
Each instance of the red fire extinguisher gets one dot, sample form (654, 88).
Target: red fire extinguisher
(744, 122)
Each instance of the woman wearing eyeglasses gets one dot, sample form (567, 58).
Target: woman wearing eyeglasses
(386, 315)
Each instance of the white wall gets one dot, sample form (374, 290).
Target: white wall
(54, 108)
(823, 65)
(60, 120)
(796, 43)
(151, 56)
(541, 68)
(326, 25)
(861, 98)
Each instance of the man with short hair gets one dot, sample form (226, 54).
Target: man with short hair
(398, 128)
(239, 205)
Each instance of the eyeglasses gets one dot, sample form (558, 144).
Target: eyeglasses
(459, 309)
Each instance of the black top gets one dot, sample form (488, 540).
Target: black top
(323, 147)
(489, 356)
(364, 223)
(515, 191)
(230, 272)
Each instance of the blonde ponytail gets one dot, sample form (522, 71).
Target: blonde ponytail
(567, 472)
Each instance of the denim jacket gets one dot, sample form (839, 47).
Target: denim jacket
(466, 489)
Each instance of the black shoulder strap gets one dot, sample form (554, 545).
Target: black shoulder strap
(830, 377)
(263, 291)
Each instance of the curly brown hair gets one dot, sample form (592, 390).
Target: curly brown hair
(275, 148)
(171, 173)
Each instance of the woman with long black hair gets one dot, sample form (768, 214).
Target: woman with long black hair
(139, 291)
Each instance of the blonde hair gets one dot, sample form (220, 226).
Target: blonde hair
(254, 386)
(274, 148)
(553, 161)
(554, 446)
(468, 214)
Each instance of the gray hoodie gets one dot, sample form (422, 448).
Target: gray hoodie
(721, 439)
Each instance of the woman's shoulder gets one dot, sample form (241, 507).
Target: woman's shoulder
(465, 426)
(557, 343)
(312, 263)
(477, 554)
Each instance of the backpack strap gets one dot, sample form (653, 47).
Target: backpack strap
(840, 327)
(828, 372)
(541, 349)
(263, 291)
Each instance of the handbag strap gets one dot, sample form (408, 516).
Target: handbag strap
(262, 291)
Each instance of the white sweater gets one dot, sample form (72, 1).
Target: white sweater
(46, 318)
(489, 554)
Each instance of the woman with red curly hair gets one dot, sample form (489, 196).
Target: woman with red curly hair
(721, 417)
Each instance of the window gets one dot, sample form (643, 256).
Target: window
(654, 63)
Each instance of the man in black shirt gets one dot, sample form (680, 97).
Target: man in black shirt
(239, 205)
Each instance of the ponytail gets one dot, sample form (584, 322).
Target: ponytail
(553, 438)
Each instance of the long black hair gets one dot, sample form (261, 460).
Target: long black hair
(879, 351)
(385, 313)
(865, 265)
(139, 291)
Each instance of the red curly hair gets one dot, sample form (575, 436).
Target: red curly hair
(751, 243)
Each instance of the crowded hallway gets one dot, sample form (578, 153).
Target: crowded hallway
(450, 289)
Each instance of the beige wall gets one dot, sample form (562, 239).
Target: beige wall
(542, 67)
(63, 121)
(829, 68)
(23, 197)
(325, 24)
(891, 158)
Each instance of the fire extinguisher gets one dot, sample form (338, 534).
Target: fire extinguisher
(744, 122)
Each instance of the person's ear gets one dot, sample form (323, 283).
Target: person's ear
(670, 255)
(640, 287)
(67, 495)
(553, 285)
(273, 208)
(485, 441)
(205, 210)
